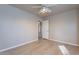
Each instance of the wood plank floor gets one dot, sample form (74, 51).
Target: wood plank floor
(42, 47)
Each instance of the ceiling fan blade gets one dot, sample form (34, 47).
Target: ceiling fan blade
(48, 5)
(36, 6)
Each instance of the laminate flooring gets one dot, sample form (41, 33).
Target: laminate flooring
(43, 47)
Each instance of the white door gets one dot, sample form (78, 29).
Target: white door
(45, 29)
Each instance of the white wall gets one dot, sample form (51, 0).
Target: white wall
(78, 25)
(16, 26)
(63, 27)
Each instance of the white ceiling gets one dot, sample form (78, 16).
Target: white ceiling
(55, 9)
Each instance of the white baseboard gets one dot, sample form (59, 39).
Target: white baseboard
(65, 42)
(16, 46)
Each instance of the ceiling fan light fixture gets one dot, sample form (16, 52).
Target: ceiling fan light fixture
(44, 11)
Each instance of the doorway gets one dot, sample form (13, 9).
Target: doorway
(39, 30)
(45, 29)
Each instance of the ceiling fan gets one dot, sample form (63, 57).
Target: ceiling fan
(43, 5)
(44, 9)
